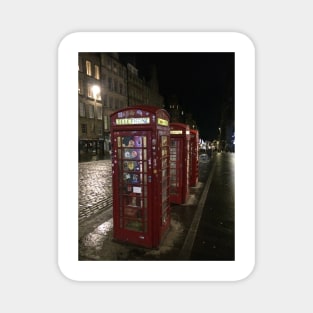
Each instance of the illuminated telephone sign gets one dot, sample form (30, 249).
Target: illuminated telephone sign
(162, 122)
(133, 121)
(140, 138)
(179, 162)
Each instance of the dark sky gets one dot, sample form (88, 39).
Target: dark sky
(199, 80)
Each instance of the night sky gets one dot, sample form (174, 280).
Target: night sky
(200, 81)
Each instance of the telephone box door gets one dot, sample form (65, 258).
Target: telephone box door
(176, 168)
(179, 175)
(132, 218)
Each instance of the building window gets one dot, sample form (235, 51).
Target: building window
(88, 68)
(91, 111)
(82, 110)
(114, 68)
(105, 97)
(110, 63)
(80, 87)
(99, 112)
(84, 128)
(106, 127)
(110, 84)
(80, 65)
(97, 72)
(100, 131)
(90, 93)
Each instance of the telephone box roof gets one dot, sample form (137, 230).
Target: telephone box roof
(148, 108)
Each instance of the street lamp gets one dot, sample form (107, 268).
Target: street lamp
(219, 139)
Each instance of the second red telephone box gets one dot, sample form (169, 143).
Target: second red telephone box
(179, 162)
(140, 139)
(194, 158)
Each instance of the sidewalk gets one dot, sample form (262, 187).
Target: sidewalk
(99, 244)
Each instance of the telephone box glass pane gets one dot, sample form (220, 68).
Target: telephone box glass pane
(132, 154)
(174, 182)
(165, 179)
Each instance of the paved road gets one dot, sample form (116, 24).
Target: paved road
(215, 239)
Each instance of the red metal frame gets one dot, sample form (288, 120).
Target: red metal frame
(179, 162)
(140, 139)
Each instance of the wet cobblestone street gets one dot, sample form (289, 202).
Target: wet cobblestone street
(95, 188)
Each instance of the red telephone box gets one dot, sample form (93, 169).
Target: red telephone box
(194, 158)
(140, 139)
(179, 162)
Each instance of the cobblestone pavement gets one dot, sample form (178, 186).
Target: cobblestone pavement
(95, 188)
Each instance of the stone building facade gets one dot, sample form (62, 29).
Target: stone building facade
(106, 84)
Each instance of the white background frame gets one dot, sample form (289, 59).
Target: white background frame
(244, 51)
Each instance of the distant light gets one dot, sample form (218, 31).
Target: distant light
(95, 91)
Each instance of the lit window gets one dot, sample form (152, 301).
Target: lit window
(90, 93)
(96, 93)
(88, 68)
(80, 87)
(97, 72)
(106, 127)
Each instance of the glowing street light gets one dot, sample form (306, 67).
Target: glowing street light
(219, 138)
(95, 91)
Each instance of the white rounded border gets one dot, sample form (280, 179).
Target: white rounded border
(244, 51)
